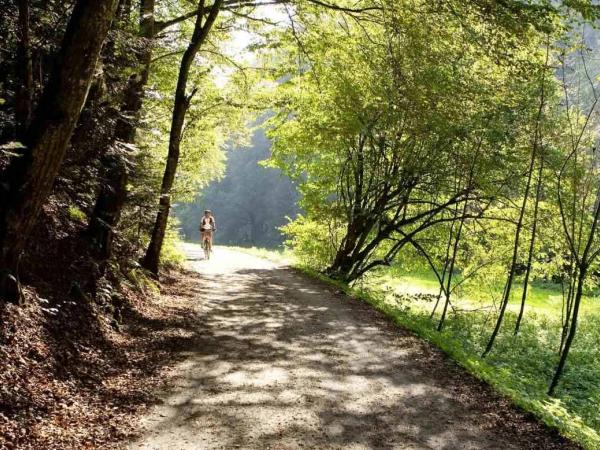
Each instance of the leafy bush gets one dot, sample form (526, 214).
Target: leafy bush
(77, 214)
(313, 244)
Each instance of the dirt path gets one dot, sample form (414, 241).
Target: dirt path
(284, 362)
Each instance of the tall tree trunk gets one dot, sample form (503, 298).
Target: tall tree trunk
(582, 266)
(511, 272)
(572, 331)
(537, 143)
(513, 263)
(538, 191)
(345, 259)
(115, 172)
(110, 201)
(451, 266)
(182, 100)
(444, 273)
(30, 177)
(567, 307)
(446, 264)
(24, 94)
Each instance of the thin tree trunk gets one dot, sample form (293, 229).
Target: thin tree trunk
(531, 245)
(538, 190)
(451, 267)
(182, 100)
(30, 177)
(572, 330)
(513, 263)
(107, 211)
(567, 309)
(579, 264)
(444, 273)
(582, 268)
(445, 268)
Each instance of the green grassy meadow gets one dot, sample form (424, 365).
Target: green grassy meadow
(542, 297)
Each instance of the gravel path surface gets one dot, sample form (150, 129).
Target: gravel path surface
(284, 362)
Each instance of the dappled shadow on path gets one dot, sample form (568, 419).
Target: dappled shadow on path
(285, 362)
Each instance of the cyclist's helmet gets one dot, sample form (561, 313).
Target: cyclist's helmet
(207, 211)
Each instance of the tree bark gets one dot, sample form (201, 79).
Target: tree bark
(113, 191)
(182, 100)
(29, 178)
(345, 259)
(537, 143)
(107, 211)
(582, 266)
(567, 307)
(445, 267)
(538, 193)
(572, 331)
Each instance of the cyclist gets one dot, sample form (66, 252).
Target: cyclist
(208, 226)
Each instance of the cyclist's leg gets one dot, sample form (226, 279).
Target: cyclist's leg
(204, 241)
(206, 245)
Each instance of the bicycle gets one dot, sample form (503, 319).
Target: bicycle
(207, 237)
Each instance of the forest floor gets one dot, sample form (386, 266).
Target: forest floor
(69, 380)
(279, 360)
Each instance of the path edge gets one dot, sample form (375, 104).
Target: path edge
(478, 368)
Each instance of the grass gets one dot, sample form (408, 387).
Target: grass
(519, 367)
(543, 297)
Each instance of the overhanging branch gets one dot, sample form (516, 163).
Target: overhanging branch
(233, 5)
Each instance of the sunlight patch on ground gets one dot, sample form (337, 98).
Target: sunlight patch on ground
(264, 377)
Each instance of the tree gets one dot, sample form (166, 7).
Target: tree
(201, 31)
(24, 96)
(520, 221)
(181, 104)
(116, 161)
(380, 145)
(538, 147)
(578, 196)
(29, 178)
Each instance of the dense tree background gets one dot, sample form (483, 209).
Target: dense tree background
(250, 202)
